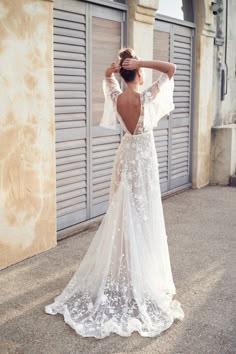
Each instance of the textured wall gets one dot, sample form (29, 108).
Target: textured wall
(223, 143)
(223, 154)
(224, 112)
(229, 104)
(203, 83)
(27, 158)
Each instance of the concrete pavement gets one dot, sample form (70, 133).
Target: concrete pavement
(201, 229)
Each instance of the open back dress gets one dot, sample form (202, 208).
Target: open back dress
(124, 282)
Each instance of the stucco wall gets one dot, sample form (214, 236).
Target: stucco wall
(223, 154)
(229, 104)
(224, 111)
(202, 112)
(27, 157)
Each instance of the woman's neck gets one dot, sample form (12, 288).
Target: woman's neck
(132, 87)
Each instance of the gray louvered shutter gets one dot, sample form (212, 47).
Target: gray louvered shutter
(161, 51)
(107, 27)
(71, 123)
(181, 117)
(172, 135)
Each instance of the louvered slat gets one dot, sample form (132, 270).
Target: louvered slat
(102, 170)
(106, 34)
(161, 51)
(70, 109)
(180, 131)
(174, 43)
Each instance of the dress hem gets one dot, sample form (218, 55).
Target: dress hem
(176, 314)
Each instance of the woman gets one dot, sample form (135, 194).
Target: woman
(124, 283)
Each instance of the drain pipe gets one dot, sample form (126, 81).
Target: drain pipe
(226, 43)
(221, 39)
(224, 67)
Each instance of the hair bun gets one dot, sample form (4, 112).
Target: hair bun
(126, 53)
(128, 75)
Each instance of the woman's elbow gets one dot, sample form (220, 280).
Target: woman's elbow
(172, 70)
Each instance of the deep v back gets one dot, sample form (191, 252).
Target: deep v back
(138, 119)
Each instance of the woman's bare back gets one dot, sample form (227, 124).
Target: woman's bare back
(129, 108)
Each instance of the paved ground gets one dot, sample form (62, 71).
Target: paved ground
(201, 227)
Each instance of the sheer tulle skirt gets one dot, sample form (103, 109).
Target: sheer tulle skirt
(124, 283)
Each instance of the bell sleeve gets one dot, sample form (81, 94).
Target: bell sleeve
(111, 89)
(158, 100)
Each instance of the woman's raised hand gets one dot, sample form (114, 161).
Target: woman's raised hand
(131, 64)
(115, 67)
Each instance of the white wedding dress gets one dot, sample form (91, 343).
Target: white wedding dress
(124, 282)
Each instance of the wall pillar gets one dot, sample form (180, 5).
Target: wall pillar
(27, 130)
(203, 91)
(223, 154)
(140, 37)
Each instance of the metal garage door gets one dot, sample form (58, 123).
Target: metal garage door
(174, 43)
(87, 38)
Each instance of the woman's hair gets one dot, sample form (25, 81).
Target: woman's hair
(128, 75)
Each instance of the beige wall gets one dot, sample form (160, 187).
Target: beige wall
(203, 111)
(223, 142)
(27, 158)
(225, 110)
(230, 117)
(203, 84)
(223, 153)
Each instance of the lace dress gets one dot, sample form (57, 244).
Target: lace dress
(124, 282)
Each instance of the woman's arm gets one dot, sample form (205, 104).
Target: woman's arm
(163, 66)
(113, 68)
